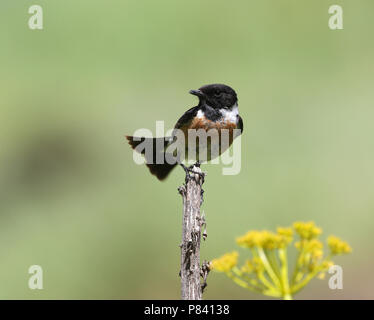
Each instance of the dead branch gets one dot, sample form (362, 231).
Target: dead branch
(192, 224)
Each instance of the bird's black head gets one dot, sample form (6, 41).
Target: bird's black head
(216, 95)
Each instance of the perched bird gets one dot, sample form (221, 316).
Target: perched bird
(217, 109)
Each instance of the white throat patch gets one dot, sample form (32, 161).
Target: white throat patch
(200, 114)
(230, 115)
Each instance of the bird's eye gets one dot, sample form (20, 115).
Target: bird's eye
(217, 93)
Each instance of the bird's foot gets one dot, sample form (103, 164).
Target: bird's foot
(190, 169)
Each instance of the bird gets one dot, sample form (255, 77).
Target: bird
(217, 109)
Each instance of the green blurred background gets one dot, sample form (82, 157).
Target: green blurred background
(73, 201)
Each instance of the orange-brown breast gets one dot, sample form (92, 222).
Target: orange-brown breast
(206, 124)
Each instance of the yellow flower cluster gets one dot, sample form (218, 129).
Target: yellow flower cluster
(266, 239)
(255, 265)
(307, 230)
(313, 247)
(268, 271)
(225, 263)
(338, 246)
(287, 232)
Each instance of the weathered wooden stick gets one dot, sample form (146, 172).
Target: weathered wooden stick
(192, 224)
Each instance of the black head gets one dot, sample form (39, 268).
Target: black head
(216, 95)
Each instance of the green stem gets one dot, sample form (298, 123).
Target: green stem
(252, 282)
(273, 261)
(284, 274)
(297, 287)
(266, 282)
(242, 283)
(272, 292)
(297, 272)
(287, 297)
(268, 267)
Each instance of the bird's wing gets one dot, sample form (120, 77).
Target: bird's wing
(183, 123)
(186, 118)
(240, 124)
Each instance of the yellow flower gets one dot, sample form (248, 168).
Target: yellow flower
(321, 275)
(287, 235)
(287, 232)
(325, 265)
(263, 239)
(254, 265)
(225, 263)
(315, 248)
(307, 230)
(267, 270)
(338, 246)
(258, 266)
(270, 240)
(250, 240)
(247, 267)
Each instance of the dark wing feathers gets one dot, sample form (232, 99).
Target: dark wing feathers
(186, 117)
(240, 124)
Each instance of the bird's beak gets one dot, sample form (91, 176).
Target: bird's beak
(198, 93)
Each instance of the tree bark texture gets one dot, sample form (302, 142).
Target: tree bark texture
(192, 224)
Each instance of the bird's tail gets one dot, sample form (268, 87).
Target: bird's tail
(160, 170)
